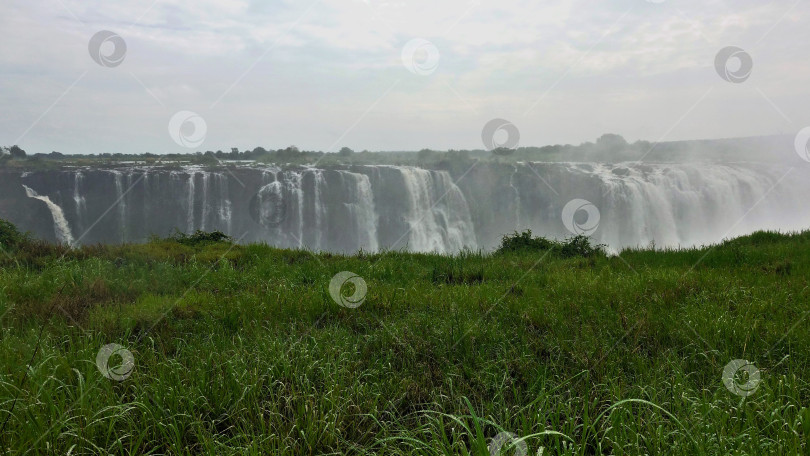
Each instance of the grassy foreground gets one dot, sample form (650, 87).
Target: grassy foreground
(242, 350)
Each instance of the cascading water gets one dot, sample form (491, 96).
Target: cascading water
(516, 200)
(60, 223)
(190, 201)
(319, 211)
(452, 214)
(360, 206)
(79, 200)
(122, 203)
(438, 217)
(225, 207)
(376, 207)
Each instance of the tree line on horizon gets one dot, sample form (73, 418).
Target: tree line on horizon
(608, 147)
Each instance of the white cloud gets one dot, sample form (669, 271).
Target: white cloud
(300, 72)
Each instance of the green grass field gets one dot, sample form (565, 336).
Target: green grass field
(242, 350)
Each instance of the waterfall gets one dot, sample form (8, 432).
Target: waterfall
(270, 205)
(453, 214)
(439, 218)
(319, 210)
(294, 189)
(360, 205)
(121, 202)
(423, 233)
(79, 200)
(190, 202)
(60, 223)
(206, 206)
(516, 199)
(684, 204)
(225, 206)
(146, 197)
(375, 207)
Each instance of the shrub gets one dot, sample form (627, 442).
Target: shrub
(10, 236)
(524, 241)
(580, 246)
(200, 237)
(577, 246)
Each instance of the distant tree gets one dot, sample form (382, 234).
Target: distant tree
(612, 142)
(209, 158)
(16, 152)
(503, 151)
(345, 152)
(458, 155)
(56, 155)
(426, 155)
(259, 151)
(290, 153)
(234, 153)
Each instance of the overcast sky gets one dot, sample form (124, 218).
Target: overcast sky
(332, 73)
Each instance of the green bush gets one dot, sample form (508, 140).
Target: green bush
(524, 241)
(577, 246)
(200, 237)
(10, 236)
